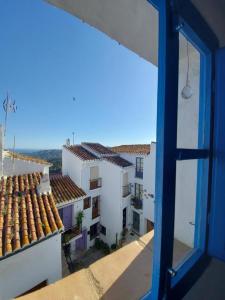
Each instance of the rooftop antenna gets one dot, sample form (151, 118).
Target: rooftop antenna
(73, 137)
(9, 106)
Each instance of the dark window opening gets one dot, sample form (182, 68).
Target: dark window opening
(95, 207)
(103, 230)
(87, 202)
(139, 191)
(94, 231)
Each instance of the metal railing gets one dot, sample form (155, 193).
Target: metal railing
(137, 202)
(71, 233)
(126, 190)
(95, 183)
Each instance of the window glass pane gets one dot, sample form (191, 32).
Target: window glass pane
(188, 95)
(189, 196)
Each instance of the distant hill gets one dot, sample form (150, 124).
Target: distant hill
(54, 156)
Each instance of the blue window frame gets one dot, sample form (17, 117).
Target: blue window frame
(175, 17)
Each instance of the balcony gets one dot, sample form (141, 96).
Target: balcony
(71, 234)
(136, 202)
(139, 173)
(126, 190)
(95, 183)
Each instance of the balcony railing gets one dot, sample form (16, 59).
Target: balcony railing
(126, 190)
(95, 212)
(95, 183)
(137, 202)
(70, 234)
(139, 173)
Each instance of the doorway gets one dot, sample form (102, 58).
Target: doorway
(136, 221)
(124, 217)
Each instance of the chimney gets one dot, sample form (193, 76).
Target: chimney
(1, 149)
(67, 142)
(44, 186)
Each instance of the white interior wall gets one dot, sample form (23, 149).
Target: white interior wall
(136, 25)
(187, 137)
(26, 269)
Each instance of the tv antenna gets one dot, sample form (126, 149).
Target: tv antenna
(9, 105)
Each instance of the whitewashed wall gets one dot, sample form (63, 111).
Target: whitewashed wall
(71, 166)
(22, 167)
(86, 176)
(30, 267)
(79, 171)
(149, 184)
(111, 201)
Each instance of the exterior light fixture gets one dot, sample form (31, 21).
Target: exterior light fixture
(187, 91)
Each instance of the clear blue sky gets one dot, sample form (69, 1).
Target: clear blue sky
(48, 57)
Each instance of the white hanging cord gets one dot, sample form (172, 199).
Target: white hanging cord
(188, 64)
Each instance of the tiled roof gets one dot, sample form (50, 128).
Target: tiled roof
(25, 216)
(64, 189)
(25, 157)
(81, 152)
(98, 148)
(138, 149)
(119, 161)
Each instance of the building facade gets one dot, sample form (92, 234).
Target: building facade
(105, 177)
(142, 184)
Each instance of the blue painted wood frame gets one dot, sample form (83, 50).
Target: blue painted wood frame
(166, 150)
(191, 24)
(205, 136)
(217, 214)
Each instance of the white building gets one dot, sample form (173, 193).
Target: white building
(70, 201)
(105, 178)
(142, 182)
(16, 164)
(30, 236)
(30, 225)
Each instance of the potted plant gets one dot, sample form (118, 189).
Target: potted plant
(79, 219)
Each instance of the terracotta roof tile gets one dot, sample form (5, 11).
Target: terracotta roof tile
(26, 157)
(81, 152)
(137, 149)
(64, 189)
(119, 161)
(25, 216)
(98, 148)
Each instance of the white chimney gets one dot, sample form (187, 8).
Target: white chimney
(1, 149)
(44, 186)
(67, 142)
